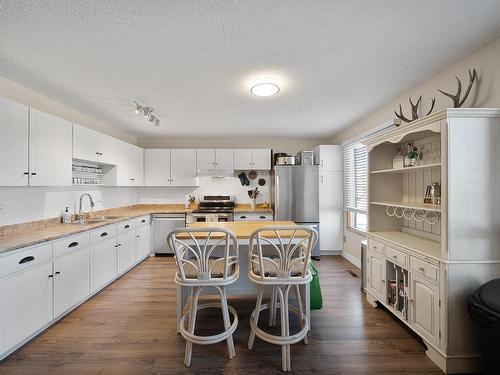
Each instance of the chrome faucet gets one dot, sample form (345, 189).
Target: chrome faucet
(81, 215)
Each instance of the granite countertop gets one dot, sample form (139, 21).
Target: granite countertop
(17, 236)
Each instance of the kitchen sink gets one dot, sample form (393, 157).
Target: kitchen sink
(97, 220)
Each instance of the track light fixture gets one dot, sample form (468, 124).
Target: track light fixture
(148, 113)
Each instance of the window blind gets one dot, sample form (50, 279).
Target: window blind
(355, 177)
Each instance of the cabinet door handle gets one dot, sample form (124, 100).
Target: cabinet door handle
(27, 259)
(138, 236)
(58, 273)
(104, 234)
(26, 173)
(132, 179)
(127, 226)
(51, 275)
(97, 153)
(321, 178)
(33, 173)
(117, 245)
(73, 244)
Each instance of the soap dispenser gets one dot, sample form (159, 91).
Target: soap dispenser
(66, 216)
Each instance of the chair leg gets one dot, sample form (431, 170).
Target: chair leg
(287, 326)
(227, 323)
(191, 325)
(257, 313)
(272, 308)
(283, 312)
(301, 311)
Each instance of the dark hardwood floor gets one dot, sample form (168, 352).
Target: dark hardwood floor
(129, 328)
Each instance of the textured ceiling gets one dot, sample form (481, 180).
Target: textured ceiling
(193, 61)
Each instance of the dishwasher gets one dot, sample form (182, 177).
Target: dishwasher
(162, 225)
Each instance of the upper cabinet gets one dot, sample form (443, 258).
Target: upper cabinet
(93, 146)
(210, 159)
(37, 146)
(50, 150)
(13, 143)
(157, 167)
(170, 167)
(252, 159)
(329, 158)
(129, 164)
(183, 167)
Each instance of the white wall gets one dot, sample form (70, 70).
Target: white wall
(485, 94)
(21, 204)
(208, 186)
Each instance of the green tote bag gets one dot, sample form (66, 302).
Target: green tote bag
(316, 297)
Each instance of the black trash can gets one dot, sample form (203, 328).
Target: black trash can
(484, 309)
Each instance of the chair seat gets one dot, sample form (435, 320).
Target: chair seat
(216, 269)
(271, 271)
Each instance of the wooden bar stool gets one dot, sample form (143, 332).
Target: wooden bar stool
(211, 264)
(279, 258)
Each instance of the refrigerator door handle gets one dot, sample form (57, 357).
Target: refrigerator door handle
(277, 195)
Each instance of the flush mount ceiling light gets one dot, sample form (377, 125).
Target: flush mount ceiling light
(147, 113)
(264, 89)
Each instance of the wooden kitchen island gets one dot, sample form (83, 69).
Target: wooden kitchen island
(243, 286)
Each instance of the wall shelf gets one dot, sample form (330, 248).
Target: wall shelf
(412, 205)
(407, 169)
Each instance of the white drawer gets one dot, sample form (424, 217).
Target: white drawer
(24, 259)
(375, 246)
(143, 220)
(253, 216)
(70, 244)
(396, 256)
(126, 226)
(424, 268)
(103, 234)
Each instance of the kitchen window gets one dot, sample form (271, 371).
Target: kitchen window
(355, 185)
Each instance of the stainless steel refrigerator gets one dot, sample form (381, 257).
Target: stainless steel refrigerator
(295, 196)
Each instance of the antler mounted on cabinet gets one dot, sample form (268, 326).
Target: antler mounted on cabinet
(414, 109)
(457, 102)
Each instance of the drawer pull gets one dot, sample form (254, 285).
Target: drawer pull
(143, 220)
(394, 257)
(104, 234)
(421, 269)
(51, 275)
(58, 273)
(127, 226)
(243, 217)
(262, 217)
(73, 244)
(27, 259)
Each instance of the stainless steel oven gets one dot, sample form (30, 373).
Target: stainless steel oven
(201, 217)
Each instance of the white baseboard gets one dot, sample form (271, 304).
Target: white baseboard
(351, 259)
(331, 252)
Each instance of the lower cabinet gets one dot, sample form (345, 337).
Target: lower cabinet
(103, 258)
(126, 250)
(424, 314)
(71, 280)
(375, 275)
(27, 304)
(142, 242)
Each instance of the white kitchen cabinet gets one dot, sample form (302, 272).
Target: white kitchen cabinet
(125, 245)
(71, 280)
(157, 167)
(50, 155)
(214, 159)
(183, 167)
(331, 210)
(129, 164)
(103, 257)
(142, 241)
(93, 146)
(424, 308)
(252, 159)
(329, 158)
(27, 304)
(13, 143)
(375, 274)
